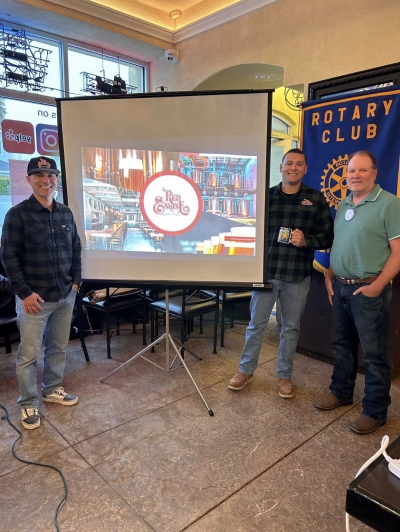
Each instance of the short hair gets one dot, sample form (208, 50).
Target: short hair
(295, 150)
(367, 153)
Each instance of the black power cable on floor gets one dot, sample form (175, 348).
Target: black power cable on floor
(38, 464)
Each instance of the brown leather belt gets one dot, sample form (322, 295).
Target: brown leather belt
(356, 281)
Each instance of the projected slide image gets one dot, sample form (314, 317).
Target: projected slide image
(171, 202)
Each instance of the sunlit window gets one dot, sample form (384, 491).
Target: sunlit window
(53, 81)
(28, 129)
(28, 115)
(97, 64)
(283, 138)
(279, 125)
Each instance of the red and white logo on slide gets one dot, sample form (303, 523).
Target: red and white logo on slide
(170, 202)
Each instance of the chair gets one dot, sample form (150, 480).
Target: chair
(8, 326)
(115, 301)
(157, 294)
(8, 316)
(228, 300)
(185, 307)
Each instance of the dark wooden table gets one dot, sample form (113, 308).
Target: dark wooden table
(374, 496)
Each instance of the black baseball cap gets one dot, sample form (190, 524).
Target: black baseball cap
(42, 164)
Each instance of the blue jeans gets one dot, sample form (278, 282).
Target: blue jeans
(292, 297)
(365, 320)
(52, 327)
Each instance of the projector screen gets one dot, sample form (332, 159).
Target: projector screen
(169, 188)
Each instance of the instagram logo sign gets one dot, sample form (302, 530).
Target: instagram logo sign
(47, 139)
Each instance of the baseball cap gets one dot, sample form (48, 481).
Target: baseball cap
(42, 164)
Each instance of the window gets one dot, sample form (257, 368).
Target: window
(279, 125)
(283, 138)
(359, 81)
(28, 119)
(92, 62)
(33, 132)
(59, 79)
(40, 50)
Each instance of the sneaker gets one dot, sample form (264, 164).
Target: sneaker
(285, 388)
(239, 381)
(30, 418)
(61, 397)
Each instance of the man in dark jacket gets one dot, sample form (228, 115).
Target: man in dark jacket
(300, 222)
(41, 254)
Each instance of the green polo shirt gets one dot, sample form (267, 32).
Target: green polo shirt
(361, 245)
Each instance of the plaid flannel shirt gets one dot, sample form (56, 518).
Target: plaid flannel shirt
(308, 211)
(41, 249)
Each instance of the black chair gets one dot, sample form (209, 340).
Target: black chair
(228, 300)
(8, 316)
(157, 294)
(115, 301)
(186, 307)
(8, 326)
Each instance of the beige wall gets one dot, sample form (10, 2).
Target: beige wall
(311, 39)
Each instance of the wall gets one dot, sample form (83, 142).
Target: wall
(311, 39)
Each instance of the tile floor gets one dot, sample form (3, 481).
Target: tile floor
(140, 453)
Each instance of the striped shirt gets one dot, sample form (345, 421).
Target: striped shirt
(308, 211)
(41, 249)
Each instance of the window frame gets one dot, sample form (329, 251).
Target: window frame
(107, 53)
(281, 140)
(358, 80)
(65, 42)
(284, 139)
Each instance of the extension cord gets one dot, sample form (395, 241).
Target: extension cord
(29, 462)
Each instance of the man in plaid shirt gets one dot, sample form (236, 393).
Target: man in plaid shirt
(300, 222)
(41, 253)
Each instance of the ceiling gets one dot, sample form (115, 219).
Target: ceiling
(158, 12)
(171, 20)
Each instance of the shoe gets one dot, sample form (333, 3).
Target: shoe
(329, 401)
(365, 425)
(285, 388)
(61, 397)
(239, 381)
(30, 418)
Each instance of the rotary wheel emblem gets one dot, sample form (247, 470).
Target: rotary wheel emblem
(334, 183)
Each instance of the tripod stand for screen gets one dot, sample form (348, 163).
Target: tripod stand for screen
(169, 341)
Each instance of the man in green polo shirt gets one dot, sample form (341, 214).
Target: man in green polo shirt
(365, 257)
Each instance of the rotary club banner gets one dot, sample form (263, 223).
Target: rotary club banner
(336, 127)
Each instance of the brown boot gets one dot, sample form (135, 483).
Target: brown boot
(285, 388)
(329, 401)
(239, 381)
(365, 425)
